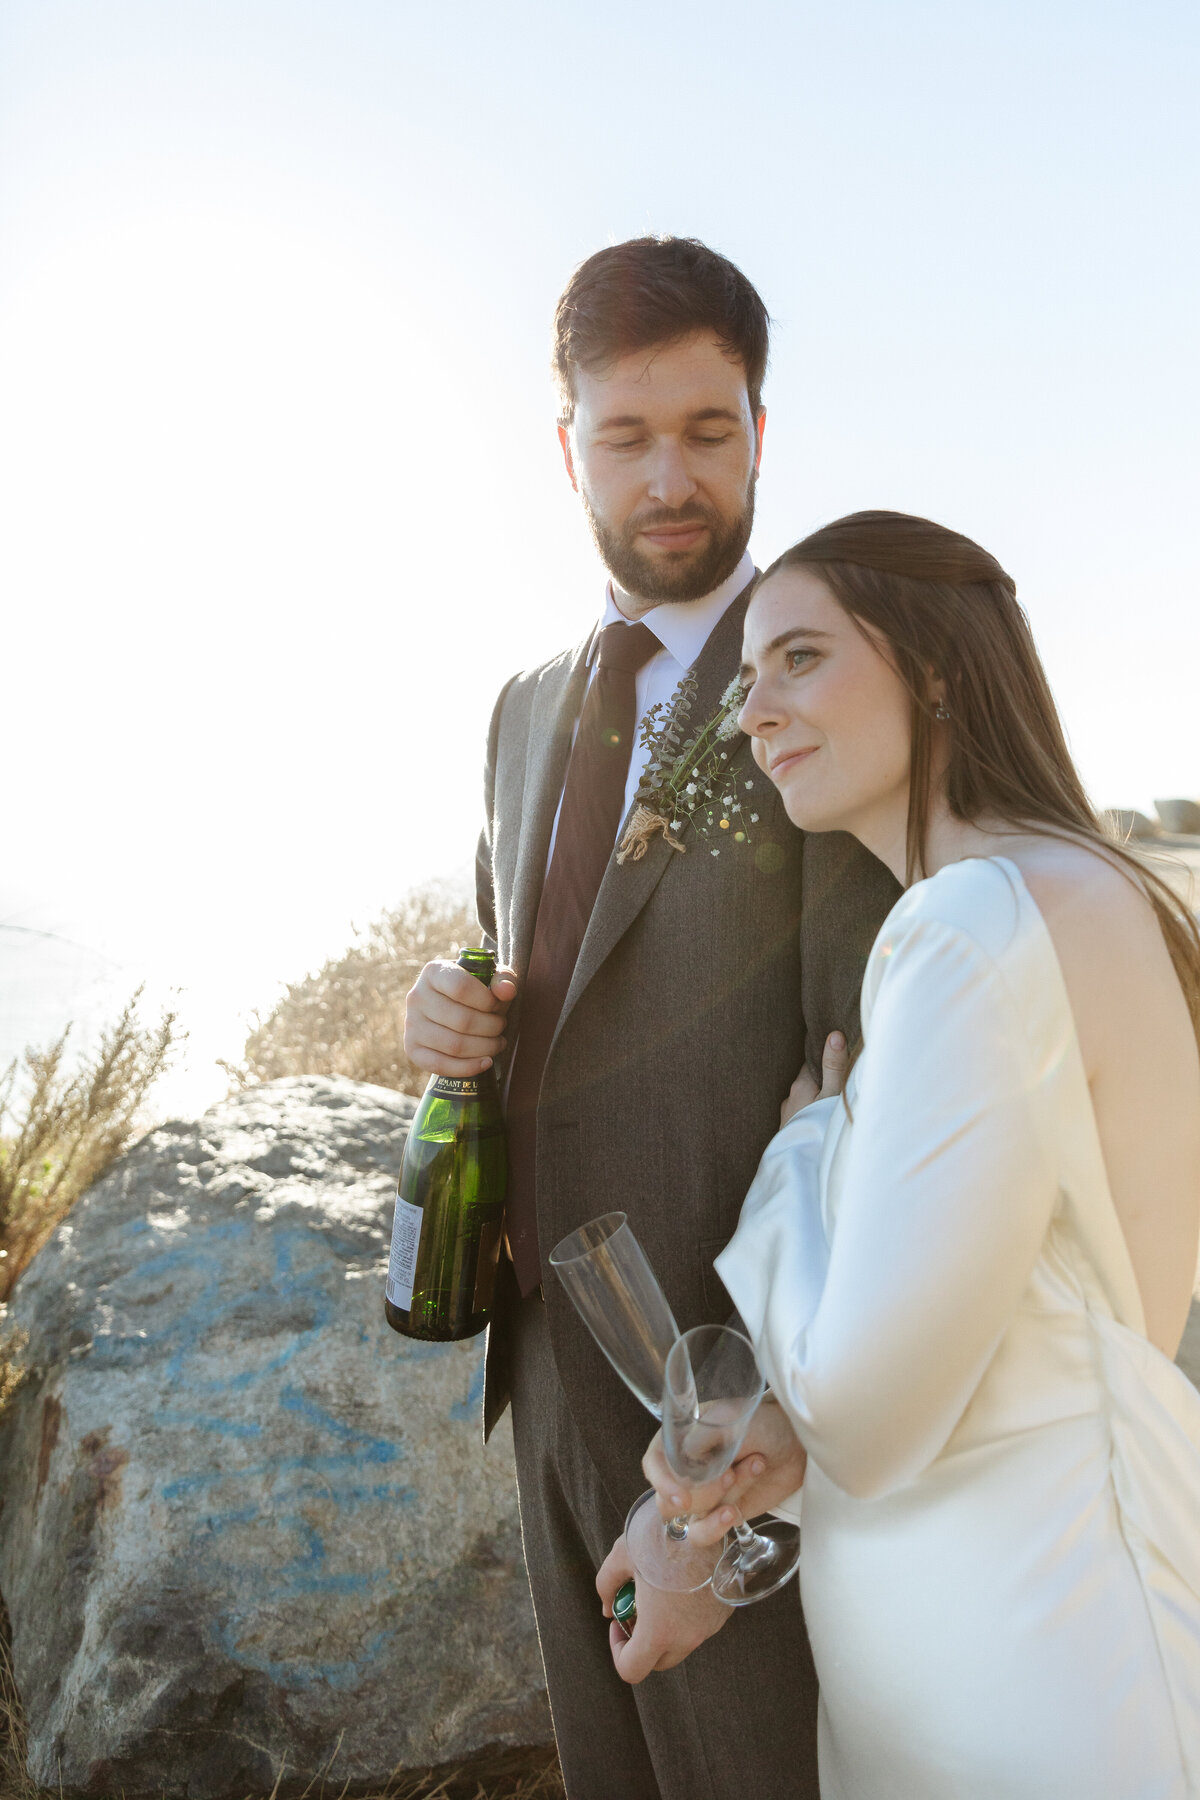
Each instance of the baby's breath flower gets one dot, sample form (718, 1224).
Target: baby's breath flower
(754, 818)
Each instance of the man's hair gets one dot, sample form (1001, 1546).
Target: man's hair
(650, 291)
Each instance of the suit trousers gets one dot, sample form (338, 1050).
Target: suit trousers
(736, 1721)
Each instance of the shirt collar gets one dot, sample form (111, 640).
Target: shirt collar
(683, 627)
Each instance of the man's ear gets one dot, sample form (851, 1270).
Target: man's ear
(760, 425)
(564, 438)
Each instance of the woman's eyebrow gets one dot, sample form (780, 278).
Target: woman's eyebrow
(777, 643)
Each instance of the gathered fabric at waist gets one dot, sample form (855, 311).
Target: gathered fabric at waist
(1046, 1370)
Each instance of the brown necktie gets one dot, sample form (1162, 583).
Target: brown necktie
(592, 809)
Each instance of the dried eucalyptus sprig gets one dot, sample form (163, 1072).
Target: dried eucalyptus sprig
(686, 780)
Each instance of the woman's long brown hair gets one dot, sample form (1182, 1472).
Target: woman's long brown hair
(948, 611)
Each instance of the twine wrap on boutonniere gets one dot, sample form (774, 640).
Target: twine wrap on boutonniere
(687, 779)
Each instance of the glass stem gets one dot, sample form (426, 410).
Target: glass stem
(753, 1551)
(677, 1528)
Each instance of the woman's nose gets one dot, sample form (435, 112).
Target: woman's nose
(756, 718)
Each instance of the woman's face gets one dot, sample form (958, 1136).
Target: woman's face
(829, 717)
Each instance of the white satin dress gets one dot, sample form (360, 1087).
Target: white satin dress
(1001, 1515)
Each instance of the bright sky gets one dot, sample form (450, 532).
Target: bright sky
(282, 498)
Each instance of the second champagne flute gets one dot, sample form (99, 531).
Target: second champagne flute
(711, 1392)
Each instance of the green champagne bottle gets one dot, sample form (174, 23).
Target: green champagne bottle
(450, 1203)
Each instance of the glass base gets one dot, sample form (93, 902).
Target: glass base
(751, 1571)
(674, 1564)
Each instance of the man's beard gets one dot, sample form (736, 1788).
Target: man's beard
(679, 575)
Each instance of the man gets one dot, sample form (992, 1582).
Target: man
(653, 1015)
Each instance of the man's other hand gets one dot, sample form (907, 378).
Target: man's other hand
(835, 1059)
(453, 1025)
(669, 1626)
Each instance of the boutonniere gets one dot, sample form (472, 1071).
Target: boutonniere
(687, 779)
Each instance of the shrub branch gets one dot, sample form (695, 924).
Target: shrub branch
(60, 1129)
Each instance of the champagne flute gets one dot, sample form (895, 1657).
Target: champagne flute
(605, 1271)
(711, 1390)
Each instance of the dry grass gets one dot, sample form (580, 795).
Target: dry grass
(348, 1018)
(12, 1370)
(60, 1128)
(504, 1775)
(14, 1782)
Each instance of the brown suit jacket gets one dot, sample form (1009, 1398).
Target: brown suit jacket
(702, 983)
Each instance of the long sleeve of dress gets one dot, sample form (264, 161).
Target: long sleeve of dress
(874, 1329)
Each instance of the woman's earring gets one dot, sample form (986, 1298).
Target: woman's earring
(940, 712)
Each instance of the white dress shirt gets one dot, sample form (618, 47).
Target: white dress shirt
(683, 627)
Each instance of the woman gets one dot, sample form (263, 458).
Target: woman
(966, 1277)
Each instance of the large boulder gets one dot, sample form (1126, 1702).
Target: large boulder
(1179, 816)
(246, 1530)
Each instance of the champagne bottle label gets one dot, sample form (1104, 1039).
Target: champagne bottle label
(406, 1236)
(456, 1087)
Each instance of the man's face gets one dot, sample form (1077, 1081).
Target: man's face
(664, 452)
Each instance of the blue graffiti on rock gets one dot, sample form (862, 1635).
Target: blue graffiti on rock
(280, 1491)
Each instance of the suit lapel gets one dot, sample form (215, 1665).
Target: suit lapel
(627, 887)
(553, 713)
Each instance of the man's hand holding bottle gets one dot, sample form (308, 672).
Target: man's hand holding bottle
(453, 1025)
